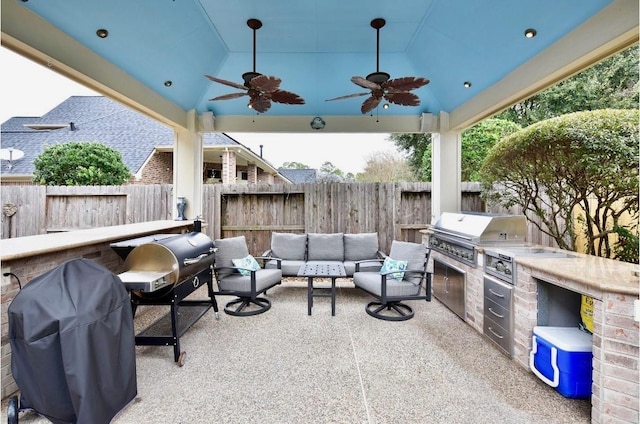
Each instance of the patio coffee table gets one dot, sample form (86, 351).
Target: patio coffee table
(322, 269)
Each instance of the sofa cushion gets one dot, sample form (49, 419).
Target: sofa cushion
(288, 246)
(326, 247)
(228, 249)
(358, 247)
(289, 268)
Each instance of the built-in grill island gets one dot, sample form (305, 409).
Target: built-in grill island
(162, 270)
(459, 281)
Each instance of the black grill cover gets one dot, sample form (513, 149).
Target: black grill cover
(73, 344)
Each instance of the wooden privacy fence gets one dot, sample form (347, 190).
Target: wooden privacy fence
(393, 210)
(47, 209)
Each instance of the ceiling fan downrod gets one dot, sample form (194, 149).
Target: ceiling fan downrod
(254, 24)
(377, 76)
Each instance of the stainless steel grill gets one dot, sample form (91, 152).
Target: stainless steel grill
(458, 234)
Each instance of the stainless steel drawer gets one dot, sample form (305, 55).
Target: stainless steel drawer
(498, 292)
(497, 313)
(498, 335)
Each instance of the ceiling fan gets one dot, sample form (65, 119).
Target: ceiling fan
(393, 90)
(261, 89)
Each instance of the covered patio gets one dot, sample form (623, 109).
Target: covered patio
(349, 368)
(479, 59)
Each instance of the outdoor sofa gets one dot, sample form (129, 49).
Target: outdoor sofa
(293, 250)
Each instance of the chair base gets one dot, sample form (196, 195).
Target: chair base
(262, 304)
(391, 311)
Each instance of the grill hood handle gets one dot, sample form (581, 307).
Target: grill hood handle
(191, 261)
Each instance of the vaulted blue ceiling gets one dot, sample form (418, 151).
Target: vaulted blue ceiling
(315, 47)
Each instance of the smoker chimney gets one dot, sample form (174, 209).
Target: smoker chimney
(261, 150)
(72, 126)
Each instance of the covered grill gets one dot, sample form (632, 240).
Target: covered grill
(165, 272)
(457, 234)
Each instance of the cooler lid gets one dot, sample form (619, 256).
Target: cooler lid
(569, 339)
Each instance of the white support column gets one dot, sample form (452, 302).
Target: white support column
(187, 170)
(446, 169)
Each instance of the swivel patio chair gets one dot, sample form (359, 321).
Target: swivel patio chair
(400, 278)
(239, 274)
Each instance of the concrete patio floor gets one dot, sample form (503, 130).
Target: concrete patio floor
(284, 366)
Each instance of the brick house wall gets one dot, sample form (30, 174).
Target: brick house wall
(158, 170)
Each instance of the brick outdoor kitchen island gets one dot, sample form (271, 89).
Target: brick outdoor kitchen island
(613, 285)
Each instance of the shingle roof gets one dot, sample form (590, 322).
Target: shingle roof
(299, 176)
(95, 119)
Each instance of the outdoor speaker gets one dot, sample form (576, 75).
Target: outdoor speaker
(207, 122)
(428, 123)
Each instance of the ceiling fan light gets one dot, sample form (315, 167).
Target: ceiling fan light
(530, 33)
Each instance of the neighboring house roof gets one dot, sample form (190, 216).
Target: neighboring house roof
(95, 119)
(299, 176)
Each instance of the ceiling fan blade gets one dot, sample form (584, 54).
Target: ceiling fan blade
(265, 83)
(348, 96)
(405, 83)
(370, 104)
(286, 97)
(403, 98)
(364, 83)
(228, 96)
(225, 82)
(260, 103)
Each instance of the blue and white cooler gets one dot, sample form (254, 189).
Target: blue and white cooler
(562, 358)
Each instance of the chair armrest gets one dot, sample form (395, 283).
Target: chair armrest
(364, 261)
(381, 254)
(266, 253)
(264, 260)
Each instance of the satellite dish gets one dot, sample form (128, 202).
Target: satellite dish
(11, 154)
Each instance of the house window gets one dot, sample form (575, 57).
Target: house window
(214, 173)
(245, 176)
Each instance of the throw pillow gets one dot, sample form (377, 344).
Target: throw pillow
(390, 265)
(247, 263)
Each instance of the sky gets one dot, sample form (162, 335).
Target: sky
(30, 89)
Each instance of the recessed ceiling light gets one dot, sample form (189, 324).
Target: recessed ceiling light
(102, 33)
(530, 33)
(168, 83)
(385, 106)
(467, 84)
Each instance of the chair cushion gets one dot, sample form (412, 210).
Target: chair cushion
(358, 247)
(372, 283)
(265, 279)
(414, 253)
(326, 247)
(391, 265)
(248, 263)
(288, 246)
(229, 249)
(289, 268)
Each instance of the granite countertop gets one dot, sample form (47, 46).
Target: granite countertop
(23, 247)
(603, 274)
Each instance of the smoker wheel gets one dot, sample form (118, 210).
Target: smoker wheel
(182, 358)
(12, 410)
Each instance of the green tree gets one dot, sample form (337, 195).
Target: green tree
(476, 143)
(612, 83)
(294, 165)
(585, 159)
(330, 169)
(80, 163)
(414, 147)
